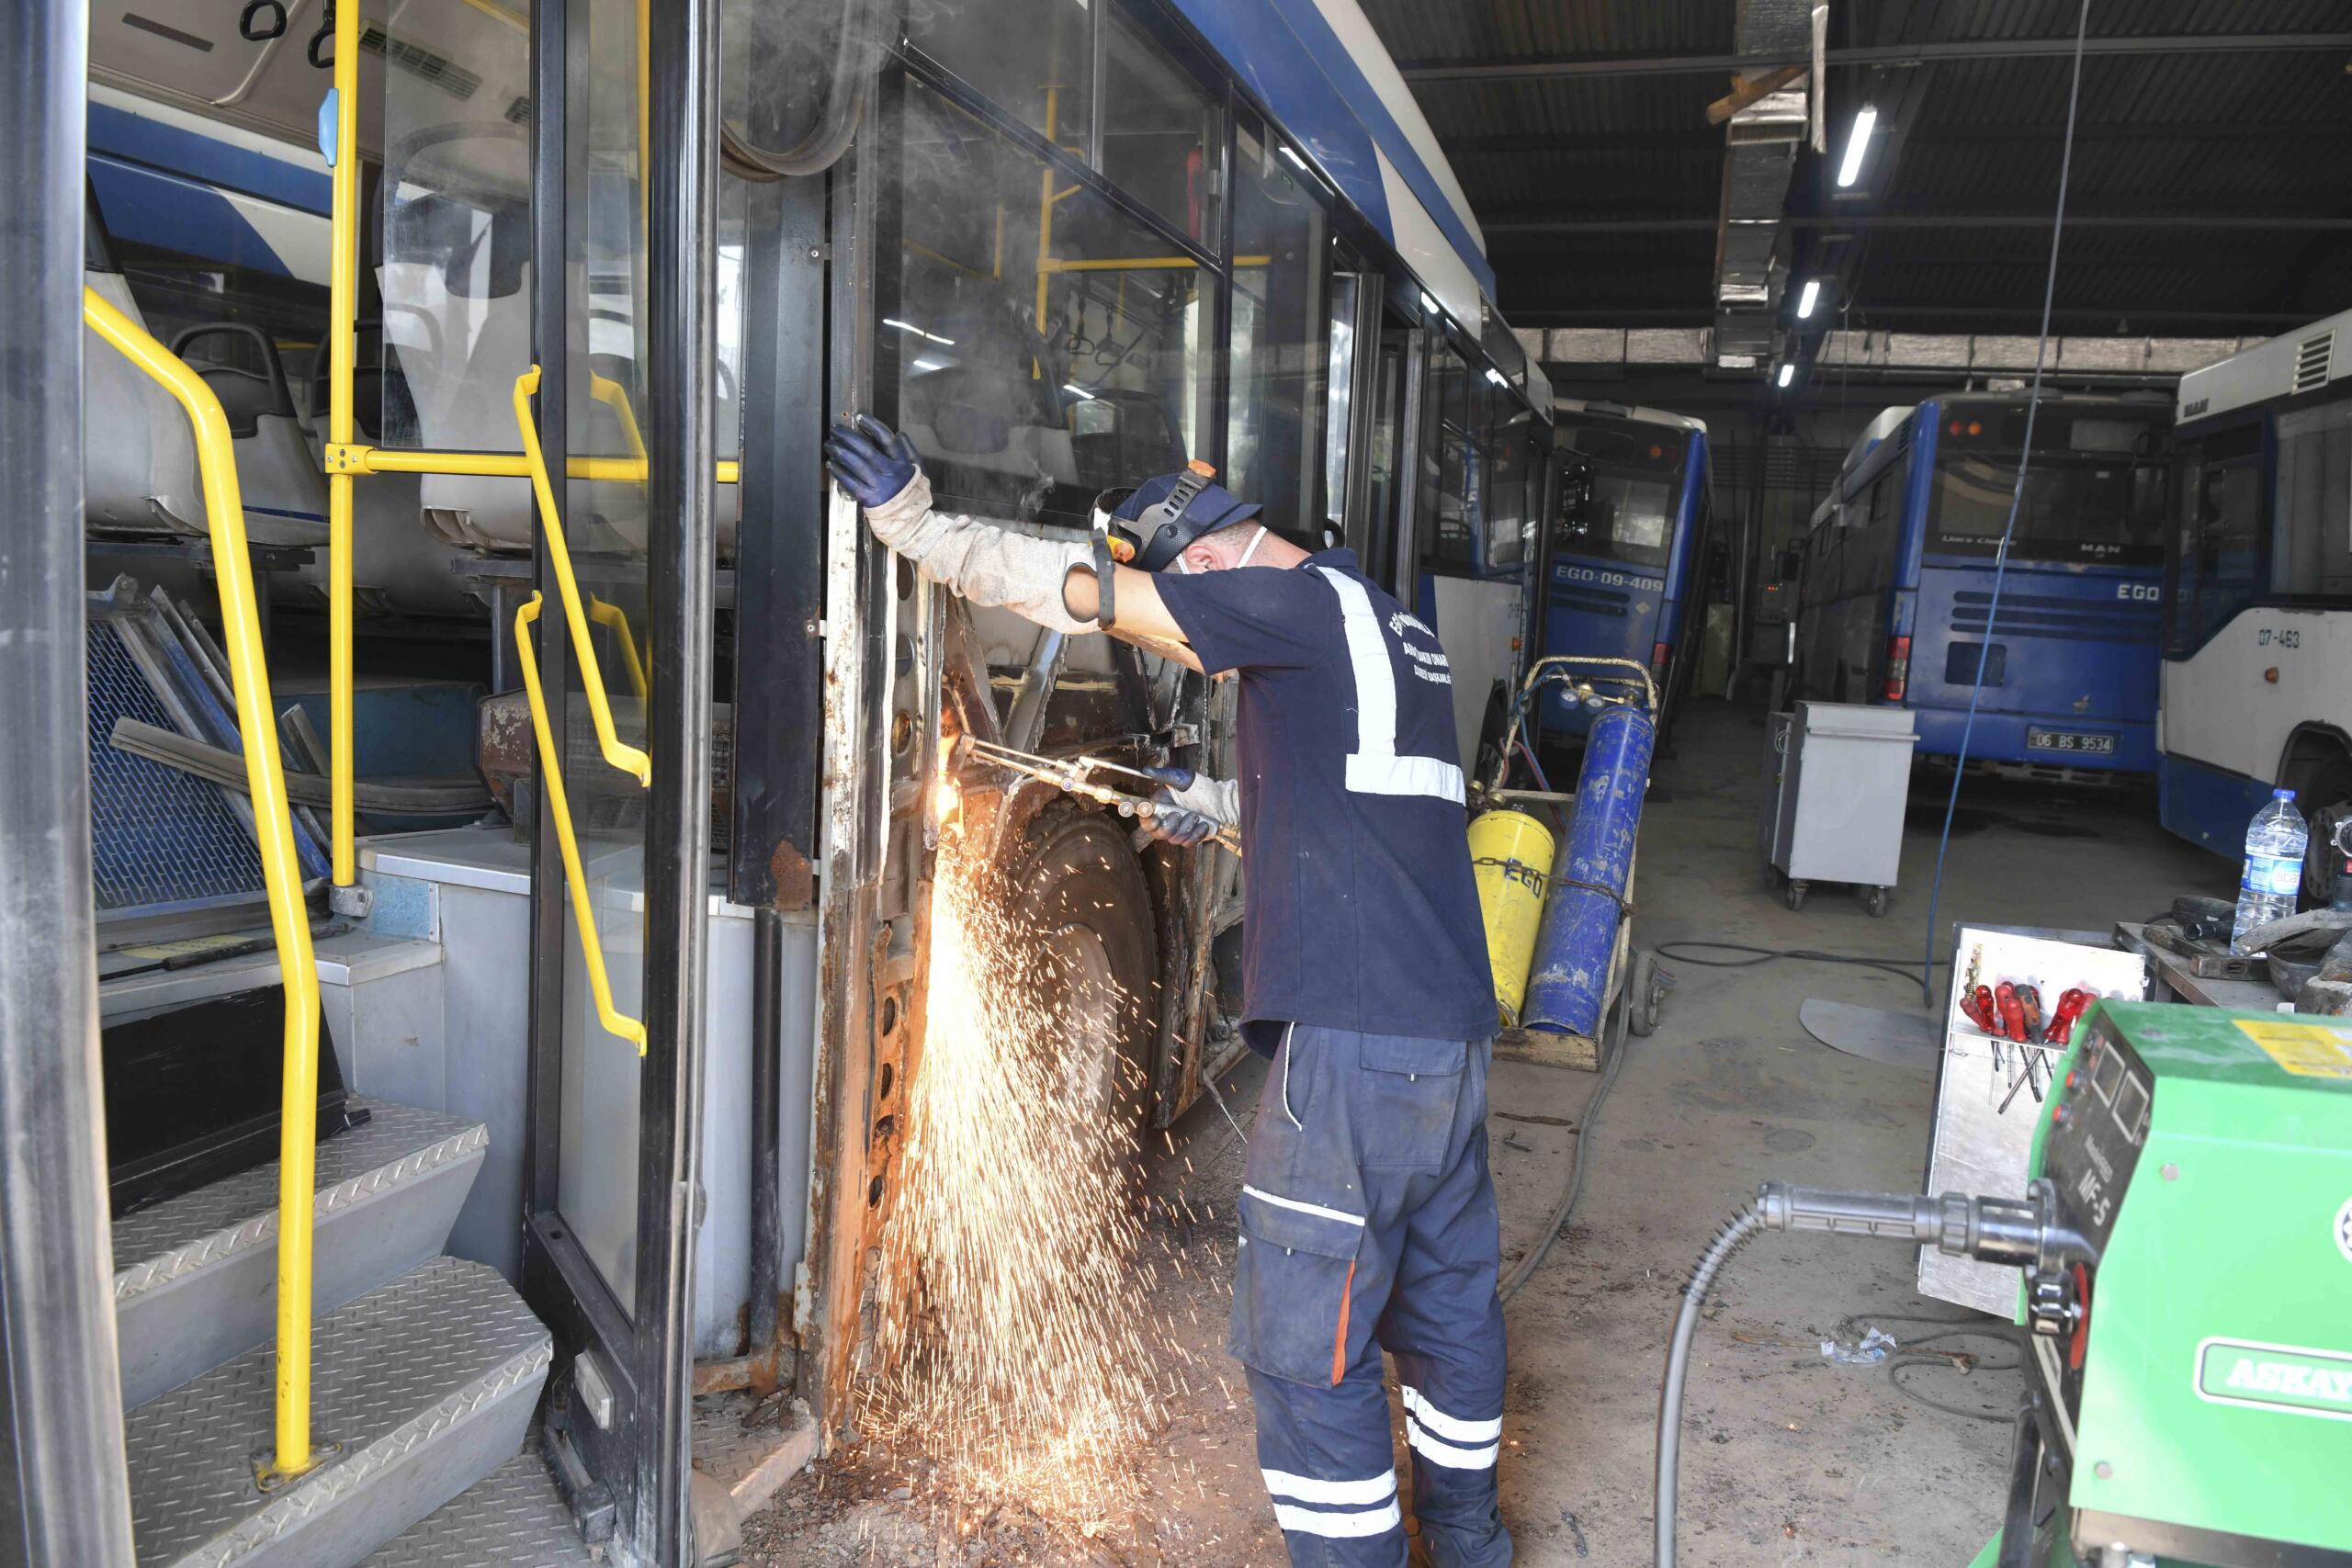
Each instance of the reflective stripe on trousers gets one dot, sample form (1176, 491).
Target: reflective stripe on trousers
(1368, 1225)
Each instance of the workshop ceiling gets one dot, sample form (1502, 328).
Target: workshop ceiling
(2212, 189)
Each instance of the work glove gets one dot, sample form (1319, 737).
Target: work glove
(873, 463)
(978, 561)
(1188, 809)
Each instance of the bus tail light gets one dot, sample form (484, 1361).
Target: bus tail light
(1659, 654)
(1898, 667)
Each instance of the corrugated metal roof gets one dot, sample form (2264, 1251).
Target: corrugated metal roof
(2213, 133)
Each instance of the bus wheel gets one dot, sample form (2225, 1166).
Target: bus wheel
(1081, 905)
(1874, 900)
(1795, 893)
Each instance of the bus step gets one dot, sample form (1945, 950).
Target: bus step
(513, 1518)
(195, 1276)
(419, 1390)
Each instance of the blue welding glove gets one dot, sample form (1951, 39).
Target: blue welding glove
(871, 461)
(1188, 809)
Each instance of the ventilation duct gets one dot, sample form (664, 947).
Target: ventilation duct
(1759, 156)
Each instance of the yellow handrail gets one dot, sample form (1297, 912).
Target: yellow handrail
(289, 918)
(613, 615)
(615, 396)
(497, 465)
(592, 946)
(343, 356)
(626, 758)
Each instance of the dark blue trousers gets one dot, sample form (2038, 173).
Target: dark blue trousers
(1368, 1225)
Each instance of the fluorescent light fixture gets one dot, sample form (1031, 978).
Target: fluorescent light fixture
(1296, 162)
(1788, 374)
(1809, 298)
(930, 364)
(1074, 387)
(1851, 169)
(1496, 377)
(1430, 305)
(918, 331)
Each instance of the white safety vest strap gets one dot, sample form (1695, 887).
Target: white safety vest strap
(1374, 768)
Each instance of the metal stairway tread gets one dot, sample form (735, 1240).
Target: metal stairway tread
(512, 1518)
(422, 1388)
(196, 1275)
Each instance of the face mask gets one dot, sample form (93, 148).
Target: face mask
(1184, 567)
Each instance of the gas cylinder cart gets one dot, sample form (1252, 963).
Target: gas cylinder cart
(1568, 979)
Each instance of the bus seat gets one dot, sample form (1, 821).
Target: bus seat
(474, 412)
(278, 472)
(139, 473)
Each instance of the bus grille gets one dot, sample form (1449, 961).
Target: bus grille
(157, 836)
(2062, 620)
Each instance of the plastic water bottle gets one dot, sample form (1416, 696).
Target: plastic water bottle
(2274, 842)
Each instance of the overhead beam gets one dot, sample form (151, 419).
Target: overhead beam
(1532, 315)
(1590, 143)
(1559, 66)
(1603, 223)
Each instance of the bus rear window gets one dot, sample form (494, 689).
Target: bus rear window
(2094, 493)
(1630, 516)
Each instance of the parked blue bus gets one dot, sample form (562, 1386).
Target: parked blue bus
(1622, 578)
(1897, 581)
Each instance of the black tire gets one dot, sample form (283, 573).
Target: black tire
(1795, 893)
(1643, 996)
(1874, 900)
(1078, 892)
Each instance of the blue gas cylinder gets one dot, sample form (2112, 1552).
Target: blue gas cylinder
(1570, 984)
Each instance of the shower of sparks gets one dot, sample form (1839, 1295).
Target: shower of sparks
(1018, 1353)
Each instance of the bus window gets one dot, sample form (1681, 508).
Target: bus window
(455, 197)
(1040, 72)
(1273, 452)
(1346, 287)
(1028, 382)
(1631, 515)
(1378, 550)
(2315, 511)
(1159, 131)
(1450, 477)
(2093, 493)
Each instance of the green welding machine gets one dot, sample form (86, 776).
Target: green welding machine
(2185, 1249)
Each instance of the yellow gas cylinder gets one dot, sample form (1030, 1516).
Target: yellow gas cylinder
(1511, 853)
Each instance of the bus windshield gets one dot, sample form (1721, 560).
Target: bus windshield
(2094, 492)
(1634, 472)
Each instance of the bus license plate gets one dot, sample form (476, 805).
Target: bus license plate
(2083, 741)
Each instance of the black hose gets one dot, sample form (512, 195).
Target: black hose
(1736, 1233)
(1686, 953)
(1567, 1204)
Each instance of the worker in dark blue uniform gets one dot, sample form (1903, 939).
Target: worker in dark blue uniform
(1367, 1213)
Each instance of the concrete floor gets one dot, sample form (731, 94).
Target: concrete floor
(1789, 1458)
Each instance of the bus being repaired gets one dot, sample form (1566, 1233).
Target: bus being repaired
(494, 832)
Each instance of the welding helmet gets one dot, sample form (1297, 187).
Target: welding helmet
(1149, 526)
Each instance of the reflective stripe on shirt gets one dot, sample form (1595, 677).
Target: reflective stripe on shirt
(1374, 768)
